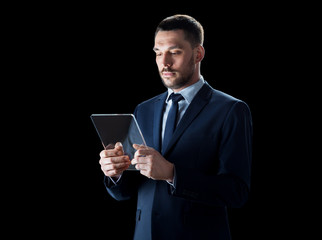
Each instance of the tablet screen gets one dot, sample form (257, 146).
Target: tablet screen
(112, 128)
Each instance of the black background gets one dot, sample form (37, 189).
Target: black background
(75, 60)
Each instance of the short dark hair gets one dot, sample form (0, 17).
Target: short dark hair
(193, 30)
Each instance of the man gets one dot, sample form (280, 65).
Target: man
(185, 181)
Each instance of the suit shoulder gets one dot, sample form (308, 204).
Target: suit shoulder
(225, 98)
(220, 95)
(229, 104)
(225, 101)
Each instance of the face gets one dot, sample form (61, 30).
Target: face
(176, 60)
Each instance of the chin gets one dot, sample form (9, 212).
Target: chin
(168, 82)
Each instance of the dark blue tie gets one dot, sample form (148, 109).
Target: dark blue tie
(171, 120)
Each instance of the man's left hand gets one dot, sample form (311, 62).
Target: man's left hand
(152, 164)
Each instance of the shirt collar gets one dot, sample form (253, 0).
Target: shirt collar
(189, 92)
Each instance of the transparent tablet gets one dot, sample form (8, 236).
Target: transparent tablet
(113, 128)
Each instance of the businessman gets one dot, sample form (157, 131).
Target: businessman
(198, 160)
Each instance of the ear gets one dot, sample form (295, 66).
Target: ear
(200, 53)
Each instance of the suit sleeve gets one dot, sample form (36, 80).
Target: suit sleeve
(229, 186)
(126, 187)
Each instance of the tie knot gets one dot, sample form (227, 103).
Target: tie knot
(176, 97)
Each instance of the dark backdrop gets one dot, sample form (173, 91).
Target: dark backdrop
(91, 59)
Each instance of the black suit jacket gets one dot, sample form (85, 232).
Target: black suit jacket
(211, 150)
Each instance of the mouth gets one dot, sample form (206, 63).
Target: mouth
(168, 74)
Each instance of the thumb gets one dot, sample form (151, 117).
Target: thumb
(138, 146)
(119, 147)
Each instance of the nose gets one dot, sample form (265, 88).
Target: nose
(166, 60)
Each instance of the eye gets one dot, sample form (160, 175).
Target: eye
(175, 52)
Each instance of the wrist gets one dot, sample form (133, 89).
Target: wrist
(171, 173)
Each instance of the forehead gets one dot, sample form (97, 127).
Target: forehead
(166, 39)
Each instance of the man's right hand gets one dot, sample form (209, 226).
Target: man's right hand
(113, 161)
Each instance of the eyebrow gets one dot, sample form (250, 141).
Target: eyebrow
(170, 48)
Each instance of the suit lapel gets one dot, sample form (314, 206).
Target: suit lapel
(158, 113)
(197, 104)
